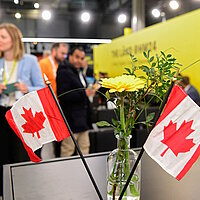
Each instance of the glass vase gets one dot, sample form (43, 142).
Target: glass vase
(119, 164)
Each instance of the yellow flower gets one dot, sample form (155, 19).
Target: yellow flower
(124, 83)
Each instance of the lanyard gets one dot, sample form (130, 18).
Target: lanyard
(7, 76)
(53, 65)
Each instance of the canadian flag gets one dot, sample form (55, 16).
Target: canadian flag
(174, 143)
(36, 120)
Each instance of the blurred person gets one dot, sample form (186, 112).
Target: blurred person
(191, 91)
(75, 104)
(49, 65)
(46, 53)
(102, 91)
(23, 71)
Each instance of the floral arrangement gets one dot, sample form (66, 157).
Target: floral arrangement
(130, 90)
(129, 93)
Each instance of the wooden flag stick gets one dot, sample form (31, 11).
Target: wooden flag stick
(74, 140)
(142, 150)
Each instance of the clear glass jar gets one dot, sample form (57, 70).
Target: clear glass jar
(119, 164)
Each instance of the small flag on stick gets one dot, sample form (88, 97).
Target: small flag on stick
(36, 120)
(174, 143)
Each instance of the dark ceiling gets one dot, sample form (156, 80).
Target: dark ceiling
(105, 8)
(103, 12)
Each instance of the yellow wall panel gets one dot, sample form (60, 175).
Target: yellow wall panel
(179, 36)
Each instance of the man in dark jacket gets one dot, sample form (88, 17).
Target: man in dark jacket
(75, 103)
(190, 89)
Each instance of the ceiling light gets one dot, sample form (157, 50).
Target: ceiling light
(18, 15)
(174, 4)
(36, 5)
(46, 15)
(121, 18)
(134, 20)
(85, 17)
(155, 12)
(16, 1)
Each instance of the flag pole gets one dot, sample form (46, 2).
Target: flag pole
(142, 150)
(74, 140)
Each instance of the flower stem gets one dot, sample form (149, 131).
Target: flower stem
(126, 163)
(122, 119)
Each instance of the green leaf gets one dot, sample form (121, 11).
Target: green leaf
(118, 102)
(135, 59)
(145, 54)
(151, 59)
(163, 54)
(128, 70)
(103, 123)
(148, 53)
(169, 55)
(133, 190)
(153, 71)
(150, 117)
(142, 123)
(153, 64)
(115, 122)
(111, 191)
(165, 64)
(145, 69)
(117, 130)
(171, 59)
(107, 95)
(132, 56)
(142, 77)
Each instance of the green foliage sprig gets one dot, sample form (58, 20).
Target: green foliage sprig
(157, 74)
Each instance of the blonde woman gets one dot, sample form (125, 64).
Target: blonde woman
(19, 74)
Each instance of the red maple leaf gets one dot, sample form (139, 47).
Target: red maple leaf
(176, 139)
(33, 124)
